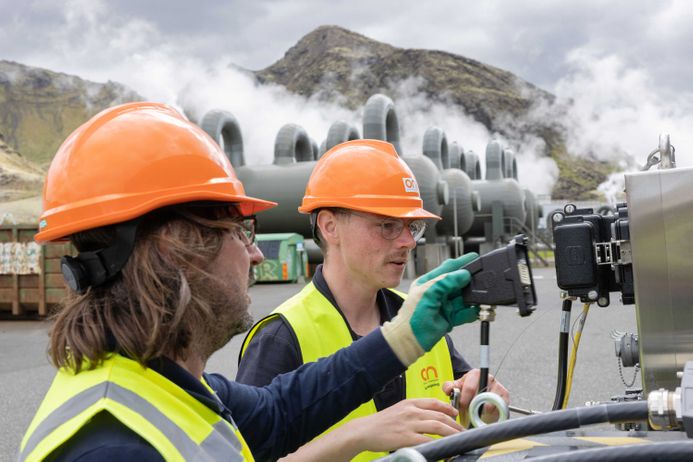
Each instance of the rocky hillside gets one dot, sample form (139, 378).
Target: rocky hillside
(19, 177)
(336, 64)
(20, 185)
(39, 108)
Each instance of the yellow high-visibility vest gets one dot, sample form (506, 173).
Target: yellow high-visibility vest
(177, 425)
(321, 331)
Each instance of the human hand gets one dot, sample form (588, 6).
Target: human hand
(432, 308)
(468, 385)
(406, 423)
(438, 298)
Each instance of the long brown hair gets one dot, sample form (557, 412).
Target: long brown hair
(156, 303)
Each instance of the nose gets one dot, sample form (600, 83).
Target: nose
(405, 239)
(255, 253)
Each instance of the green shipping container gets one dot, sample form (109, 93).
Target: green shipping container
(285, 258)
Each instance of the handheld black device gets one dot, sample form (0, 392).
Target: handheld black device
(503, 277)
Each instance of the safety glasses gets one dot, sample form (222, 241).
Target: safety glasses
(246, 231)
(210, 210)
(391, 228)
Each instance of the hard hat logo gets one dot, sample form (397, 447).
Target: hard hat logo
(410, 185)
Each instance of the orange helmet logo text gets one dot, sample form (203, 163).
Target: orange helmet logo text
(410, 185)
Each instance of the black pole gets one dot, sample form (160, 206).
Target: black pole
(564, 336)
(485, 355)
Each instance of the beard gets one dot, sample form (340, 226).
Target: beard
(228, 301)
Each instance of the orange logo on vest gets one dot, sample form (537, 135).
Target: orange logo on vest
(429, 373)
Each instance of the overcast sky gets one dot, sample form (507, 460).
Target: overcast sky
(626, 64)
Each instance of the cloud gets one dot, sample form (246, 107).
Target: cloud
(613, 111)
(615, 91)
(530, 39)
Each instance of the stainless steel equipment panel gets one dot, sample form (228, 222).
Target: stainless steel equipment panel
(660, 209)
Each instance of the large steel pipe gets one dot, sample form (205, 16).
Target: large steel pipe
(380, 121)
(497, 189)
(284, 184)
(223, 127)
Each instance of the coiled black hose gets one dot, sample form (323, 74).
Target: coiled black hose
(670, 451)
(564, 337)
(532, 425)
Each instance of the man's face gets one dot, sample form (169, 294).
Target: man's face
(231, 268)
(370, 259)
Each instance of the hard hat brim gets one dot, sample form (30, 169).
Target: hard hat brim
(394, 212)
(402, 212)
(63, 224)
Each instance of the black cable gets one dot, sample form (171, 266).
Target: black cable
(669, 451)
(564, 337)
(533, 425)
(485, 355)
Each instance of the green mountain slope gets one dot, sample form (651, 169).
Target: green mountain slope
(39, 108)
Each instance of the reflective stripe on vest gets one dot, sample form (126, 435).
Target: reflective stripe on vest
(177, 425)
(311, 316)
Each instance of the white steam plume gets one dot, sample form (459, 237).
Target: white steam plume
(613, 112)
(417, 112)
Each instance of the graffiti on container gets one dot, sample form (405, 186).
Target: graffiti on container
(20, 258)
(267, 271)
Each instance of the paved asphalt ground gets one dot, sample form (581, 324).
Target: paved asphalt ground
(523, 355)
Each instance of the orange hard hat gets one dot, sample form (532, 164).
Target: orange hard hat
(129, 160)
(365, 175)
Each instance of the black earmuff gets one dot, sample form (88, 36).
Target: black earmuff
(314, 226)
(75, 274)
(91, 269)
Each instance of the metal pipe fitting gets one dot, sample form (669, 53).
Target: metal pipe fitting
(664, 408)
(487, 398)
(487, 313)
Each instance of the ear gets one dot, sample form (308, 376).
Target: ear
(327, 223)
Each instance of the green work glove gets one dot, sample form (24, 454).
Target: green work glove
(433, 307)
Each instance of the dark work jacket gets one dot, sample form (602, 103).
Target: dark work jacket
(274, 420)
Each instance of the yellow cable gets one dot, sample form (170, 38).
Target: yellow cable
(573, 354)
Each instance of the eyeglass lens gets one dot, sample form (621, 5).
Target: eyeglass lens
(392, 229)
(247, 229)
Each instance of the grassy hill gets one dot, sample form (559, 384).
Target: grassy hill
(39, 108)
